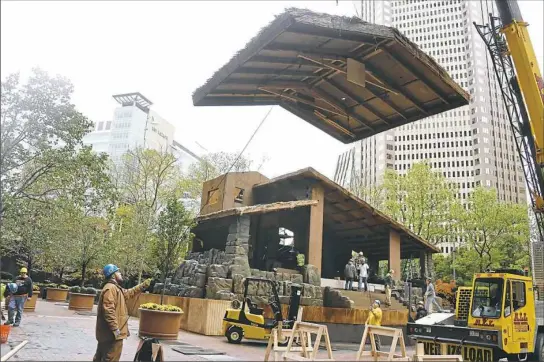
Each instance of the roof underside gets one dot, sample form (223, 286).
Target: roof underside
(299, 62)
(350, 219)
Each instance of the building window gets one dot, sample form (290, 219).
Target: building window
(108, 125)
(100, 126)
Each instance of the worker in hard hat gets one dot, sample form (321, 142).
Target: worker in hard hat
(389, 286)
(18, 297)
(112, 315)
(375, 319)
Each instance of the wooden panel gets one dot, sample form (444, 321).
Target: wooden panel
(203, 316)
(344, 315)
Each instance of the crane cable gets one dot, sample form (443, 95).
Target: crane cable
(239, 155)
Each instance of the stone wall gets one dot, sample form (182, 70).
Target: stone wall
(220, 274)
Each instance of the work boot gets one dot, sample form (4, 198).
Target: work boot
(8, 323)
(16, 324)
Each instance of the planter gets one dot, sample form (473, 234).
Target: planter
(30, 304)
(80, 301)
(158, 324)
(57, 295)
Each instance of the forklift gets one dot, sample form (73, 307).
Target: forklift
(251, 324)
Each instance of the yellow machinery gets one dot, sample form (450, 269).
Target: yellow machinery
(522, 88)
(497, 318)
(240, 323)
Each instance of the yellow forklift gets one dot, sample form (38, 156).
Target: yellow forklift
(498, 318)
(240, 323)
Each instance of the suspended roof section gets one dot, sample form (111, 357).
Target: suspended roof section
(347, 77)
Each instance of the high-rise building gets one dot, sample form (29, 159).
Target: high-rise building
(472, 145)
(134, 125)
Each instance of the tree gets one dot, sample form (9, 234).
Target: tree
(173, 237)
(27, 232)
(83, 199)
(40, 131)
(423, 200)
(490, 226)
(145, 179)
(214, 165)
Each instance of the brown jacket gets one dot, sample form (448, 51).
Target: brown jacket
(112, 311)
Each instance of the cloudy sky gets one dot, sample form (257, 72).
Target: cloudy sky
(165, 50)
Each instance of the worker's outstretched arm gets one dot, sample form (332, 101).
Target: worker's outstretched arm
(108, 305)
(132, 292)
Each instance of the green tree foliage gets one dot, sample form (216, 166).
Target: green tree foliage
(145, 180)
(213, 165)
(40, 130)
(423, 200)
(493, 234)
(495, 231)
(173, 237)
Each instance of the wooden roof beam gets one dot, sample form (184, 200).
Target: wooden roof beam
(275, 72)
(418, 75)
(380, 76)
(360, 102)
(338, 69)
(334, 102)
(301, 100)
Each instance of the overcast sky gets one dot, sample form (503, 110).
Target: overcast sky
(165, 50)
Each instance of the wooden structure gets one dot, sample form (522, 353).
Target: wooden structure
(421, 356)
(205, 316)
(279, 335)
(375, 355)
(274, 343)
(339, 223)
(302, 330)
(349, 78)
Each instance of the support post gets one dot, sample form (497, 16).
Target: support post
(423, 264)
(394, 253)
(315, 235)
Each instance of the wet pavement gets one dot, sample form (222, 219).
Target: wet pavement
(56, 333)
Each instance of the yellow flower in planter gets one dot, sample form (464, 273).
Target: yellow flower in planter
(162, 308)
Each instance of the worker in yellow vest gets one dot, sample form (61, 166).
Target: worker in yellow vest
(300, 262)
(375, 319)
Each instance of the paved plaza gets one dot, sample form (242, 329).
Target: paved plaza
(56, 333)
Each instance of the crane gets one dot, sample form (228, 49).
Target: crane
(518, 74)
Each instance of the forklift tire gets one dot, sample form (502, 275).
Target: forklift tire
(234, 334)
(539, 348)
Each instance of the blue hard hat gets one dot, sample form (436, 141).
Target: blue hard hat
(109, 270)
(12, 287)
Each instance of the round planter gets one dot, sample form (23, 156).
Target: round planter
(80, 301)
(30, 304)
(158, 324)
(57, 295)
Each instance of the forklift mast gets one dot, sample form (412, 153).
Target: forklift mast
(294, 302)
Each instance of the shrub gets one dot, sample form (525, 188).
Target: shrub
(35, 287)
(75, 289)
(162, 308)
(88, 290)
(63, 286)
(6, 276)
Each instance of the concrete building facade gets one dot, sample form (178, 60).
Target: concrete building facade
(133, 125)
(472, 145)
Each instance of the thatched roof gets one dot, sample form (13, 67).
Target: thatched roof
(301, 62)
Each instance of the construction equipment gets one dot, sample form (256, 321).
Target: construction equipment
(251, 324)
(497, 318)
(518, 74)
